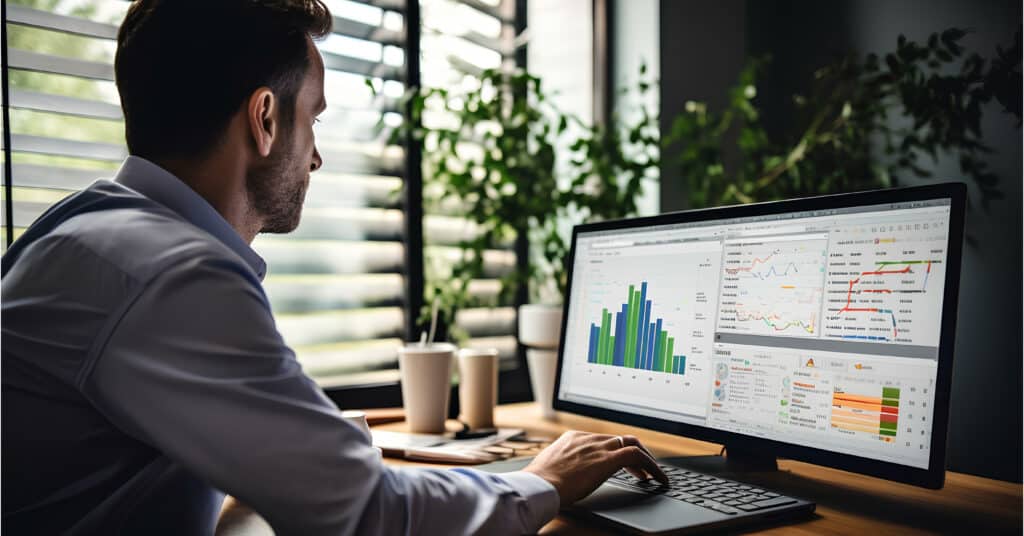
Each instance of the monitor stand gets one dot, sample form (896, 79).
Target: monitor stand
(735, 461)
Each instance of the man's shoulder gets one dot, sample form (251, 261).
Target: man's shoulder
(142, 238)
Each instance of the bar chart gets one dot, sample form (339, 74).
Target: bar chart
(632, 338)
(875, 415)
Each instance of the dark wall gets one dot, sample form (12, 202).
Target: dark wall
(703, 46)
(702, 50)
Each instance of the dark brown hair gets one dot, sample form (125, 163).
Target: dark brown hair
(184, 67)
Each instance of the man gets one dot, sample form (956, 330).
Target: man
(143, 376)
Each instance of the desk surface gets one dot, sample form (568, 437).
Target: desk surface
(847, 503)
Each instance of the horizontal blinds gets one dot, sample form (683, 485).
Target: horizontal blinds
(66, 124)
(461, 38)
(336, 284)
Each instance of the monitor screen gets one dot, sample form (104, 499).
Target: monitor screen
(818, 328)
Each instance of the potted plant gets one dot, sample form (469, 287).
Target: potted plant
(494, 153)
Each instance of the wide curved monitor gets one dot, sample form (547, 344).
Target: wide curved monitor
(816, 329)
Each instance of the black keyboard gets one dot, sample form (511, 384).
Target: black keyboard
(719, 494)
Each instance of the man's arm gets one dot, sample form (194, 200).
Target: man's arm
(196, 369)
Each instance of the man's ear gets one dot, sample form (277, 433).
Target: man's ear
(262, 113)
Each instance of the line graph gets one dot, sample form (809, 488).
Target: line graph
(773, 286)
(879, 291)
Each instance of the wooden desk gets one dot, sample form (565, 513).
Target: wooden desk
(847, 503)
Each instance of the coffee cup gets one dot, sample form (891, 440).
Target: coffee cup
(478, 386)
(426, 372)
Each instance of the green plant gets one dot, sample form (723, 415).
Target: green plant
(849, 135)
(493, 155)
(610, 164)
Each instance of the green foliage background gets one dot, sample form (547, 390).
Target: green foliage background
(866, 123)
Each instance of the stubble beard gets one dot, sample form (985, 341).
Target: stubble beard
(278, 190)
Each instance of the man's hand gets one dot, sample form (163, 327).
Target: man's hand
(578, 462)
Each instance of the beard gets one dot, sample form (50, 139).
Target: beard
(277, 189)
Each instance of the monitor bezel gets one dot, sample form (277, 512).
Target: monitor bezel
(934, 476)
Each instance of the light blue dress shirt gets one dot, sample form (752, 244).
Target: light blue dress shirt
(140, 351)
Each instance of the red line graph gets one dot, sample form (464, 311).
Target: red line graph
(849, 292)
(753, 264)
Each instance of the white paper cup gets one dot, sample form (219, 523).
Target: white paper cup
(478, 386)
(426, 373)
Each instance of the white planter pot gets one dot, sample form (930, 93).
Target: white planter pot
(540, 326)
(540, 330)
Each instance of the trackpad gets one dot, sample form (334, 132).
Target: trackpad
(649, 513)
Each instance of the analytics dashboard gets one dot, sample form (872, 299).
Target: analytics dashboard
(817, 328)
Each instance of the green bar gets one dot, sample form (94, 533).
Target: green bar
(887, 426)
(602, 338)
(663, 343)
(668, 351)
(630, 322)
(887, 432)
(891, 402)
(636, 327)
(611, 350)
(655, 354)
(890, 392)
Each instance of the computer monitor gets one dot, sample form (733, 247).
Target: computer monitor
(815, 329)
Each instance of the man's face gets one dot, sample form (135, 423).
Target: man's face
(278, 188)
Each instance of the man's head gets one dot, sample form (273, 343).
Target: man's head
(190, 71)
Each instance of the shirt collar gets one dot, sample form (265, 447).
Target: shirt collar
(161, 186)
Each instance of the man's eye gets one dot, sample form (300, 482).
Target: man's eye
(316, 119)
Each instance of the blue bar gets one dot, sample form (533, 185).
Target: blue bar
(682, 364)
(592, 352)
(618, 358)
(675, 364)
(657, 347)
(646, 332)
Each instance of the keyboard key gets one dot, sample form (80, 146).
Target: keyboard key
(732, 503)
(771, 495)
(748, 507)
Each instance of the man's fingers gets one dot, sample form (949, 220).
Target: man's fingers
(632, 441)
(636, 457)
(614, 443)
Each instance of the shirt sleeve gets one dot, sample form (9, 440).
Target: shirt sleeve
(196, 368)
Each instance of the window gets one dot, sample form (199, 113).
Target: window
(460, 39)
(346, 286)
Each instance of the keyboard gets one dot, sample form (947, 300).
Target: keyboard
(719, 494)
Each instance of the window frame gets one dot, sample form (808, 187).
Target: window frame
(514, 384)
